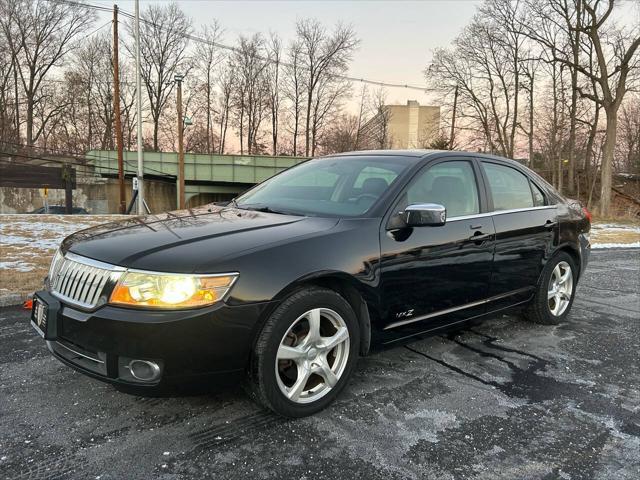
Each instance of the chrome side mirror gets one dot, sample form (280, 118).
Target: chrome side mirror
(425, 215)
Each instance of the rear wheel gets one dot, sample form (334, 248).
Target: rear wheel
(305, 353)
(556, 291)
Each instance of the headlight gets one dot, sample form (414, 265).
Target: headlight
(158, 290)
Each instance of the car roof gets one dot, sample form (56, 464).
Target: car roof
(416, 153)
(419, 154)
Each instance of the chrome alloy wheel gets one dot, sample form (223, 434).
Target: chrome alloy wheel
(312, 355)
(560, 289)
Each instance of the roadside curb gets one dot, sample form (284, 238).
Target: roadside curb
(13, 299)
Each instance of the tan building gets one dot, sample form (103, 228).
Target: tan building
(403, 126)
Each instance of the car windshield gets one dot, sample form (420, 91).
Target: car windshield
(334, 186)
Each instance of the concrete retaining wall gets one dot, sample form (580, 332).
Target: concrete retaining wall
(97, 195)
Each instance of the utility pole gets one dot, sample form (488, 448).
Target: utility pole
(116, 109)
(453, 119)
(68, 176)
(178, 78)
(141, 204)
(531, 122)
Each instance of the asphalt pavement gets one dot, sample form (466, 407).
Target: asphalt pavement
(504, 399)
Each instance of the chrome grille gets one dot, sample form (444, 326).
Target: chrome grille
(80, 281)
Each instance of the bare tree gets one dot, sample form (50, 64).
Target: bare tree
(324, 56)
(629, 145)
(127, 105)
(8, 100)
(274, 50)
(163, 44)
(57, 110)
(226, 84)
(40, 34)
(616, 56)
(340, 136)
(485, 64)
(326, 106)
(507, 49)
(250, 62)
(529, 72)
(361, 116)
(378, 135)
(294, 86)
(208, 57)
(94, 69)
(555, 25)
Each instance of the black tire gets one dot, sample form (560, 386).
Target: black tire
(539, 311)
(262, 384)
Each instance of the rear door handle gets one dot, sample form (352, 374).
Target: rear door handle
(549, 225)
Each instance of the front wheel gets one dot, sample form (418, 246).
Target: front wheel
(305, 353)
(555, 292)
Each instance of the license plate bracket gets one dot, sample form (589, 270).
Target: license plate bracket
(44, 315)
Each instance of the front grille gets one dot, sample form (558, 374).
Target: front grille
(80, 281)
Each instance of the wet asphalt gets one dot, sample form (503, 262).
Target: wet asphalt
(504, 399)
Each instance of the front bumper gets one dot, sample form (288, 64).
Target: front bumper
(210, 345)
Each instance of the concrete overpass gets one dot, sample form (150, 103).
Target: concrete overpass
(207, 177)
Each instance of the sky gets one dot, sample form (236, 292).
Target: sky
(397, 37)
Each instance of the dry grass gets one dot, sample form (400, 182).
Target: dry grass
(27, 244)
(626, 220)
(23, 282)
(618, 233)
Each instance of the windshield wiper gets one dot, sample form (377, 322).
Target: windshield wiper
(266, 209)
(233, 203)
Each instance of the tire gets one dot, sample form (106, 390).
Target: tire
(543, 308)
(274, 381)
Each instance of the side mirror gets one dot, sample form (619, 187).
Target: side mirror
(425, 215)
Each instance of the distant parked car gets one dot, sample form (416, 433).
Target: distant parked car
(61, 209)
(288, 285)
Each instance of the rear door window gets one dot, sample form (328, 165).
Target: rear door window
(508, 187)
(538, 196)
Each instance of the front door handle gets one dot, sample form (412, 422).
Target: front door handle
(479, 237)
(550, 225)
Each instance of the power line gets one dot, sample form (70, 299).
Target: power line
(230, 48)
(83, 5)
(96, 30)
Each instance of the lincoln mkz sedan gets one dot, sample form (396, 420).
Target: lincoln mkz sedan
(286, 286)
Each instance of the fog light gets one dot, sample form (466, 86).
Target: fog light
(144, 370)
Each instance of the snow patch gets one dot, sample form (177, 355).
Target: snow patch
(615, 227)
(17, 266)
(615, 245)
(38, 235)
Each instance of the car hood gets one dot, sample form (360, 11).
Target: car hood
(180, 241)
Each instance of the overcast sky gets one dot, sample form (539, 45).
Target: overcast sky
(397, 37)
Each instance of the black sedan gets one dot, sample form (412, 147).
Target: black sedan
(285, 287)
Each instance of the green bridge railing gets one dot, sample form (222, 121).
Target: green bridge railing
(246, 169)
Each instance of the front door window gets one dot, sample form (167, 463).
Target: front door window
(451, 184)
